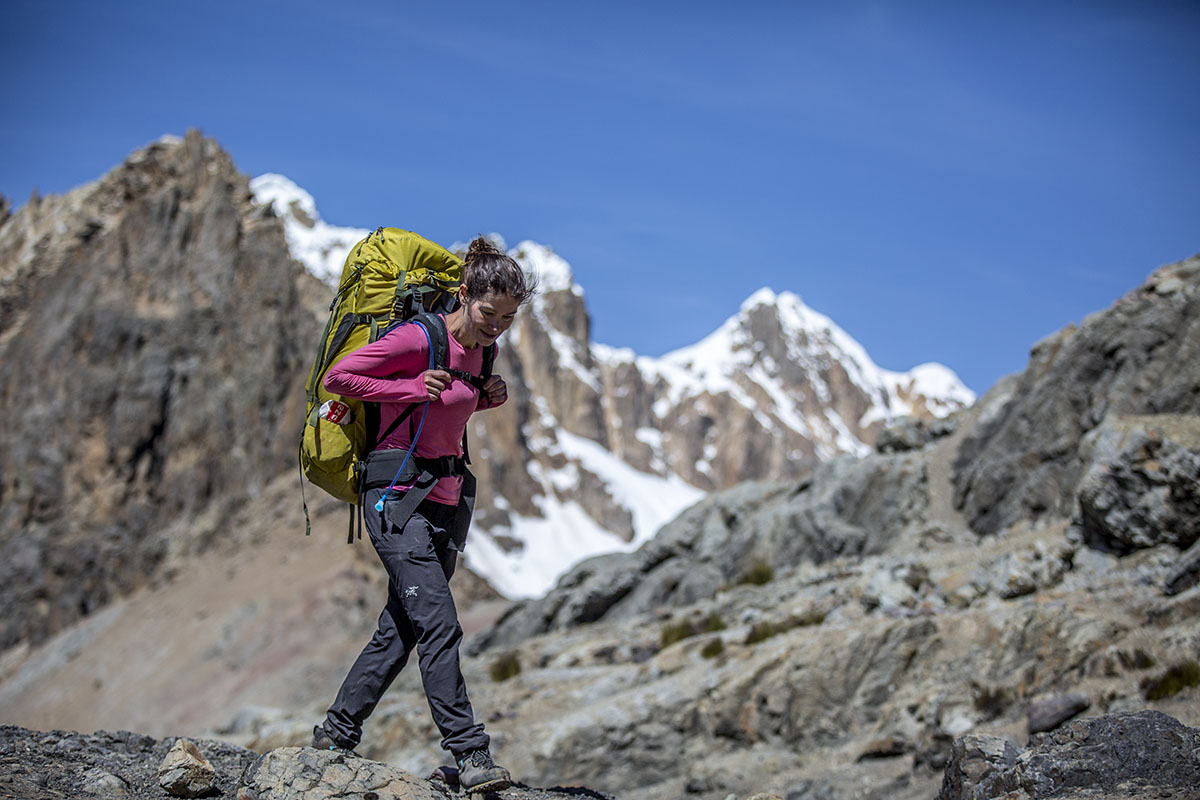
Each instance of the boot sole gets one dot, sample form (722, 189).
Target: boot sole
(494, 785)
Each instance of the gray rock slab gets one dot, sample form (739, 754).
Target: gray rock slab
(1047, 713)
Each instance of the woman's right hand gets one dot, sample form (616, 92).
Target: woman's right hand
(436, 381)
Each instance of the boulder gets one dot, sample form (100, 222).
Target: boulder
(1185, 574)
(185, 772)
(1147, 754)
(303, 773)
(1048, 712)
(980, 767)
(1142, 488)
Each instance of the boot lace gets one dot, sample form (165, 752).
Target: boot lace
(481, 759)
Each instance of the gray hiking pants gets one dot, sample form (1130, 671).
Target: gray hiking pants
(419, 612)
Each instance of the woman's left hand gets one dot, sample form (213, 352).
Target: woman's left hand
(497, 390)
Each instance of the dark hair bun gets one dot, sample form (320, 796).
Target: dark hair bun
(482, 247)
(489, 270)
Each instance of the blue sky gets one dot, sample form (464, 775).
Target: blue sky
(948, 181)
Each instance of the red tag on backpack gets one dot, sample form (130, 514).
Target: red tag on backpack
(337, 412)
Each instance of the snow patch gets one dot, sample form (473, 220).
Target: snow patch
(319, 246)
(565, 534)
(553, 272)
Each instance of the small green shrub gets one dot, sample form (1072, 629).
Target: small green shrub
(712, 648)
(761, 631)
(809, 618)
(1178, 677)
(992, 701)
(674, 632)
(505, 667)
(1138, 659)
(759, 573)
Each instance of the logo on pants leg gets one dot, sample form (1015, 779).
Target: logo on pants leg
(410, 591)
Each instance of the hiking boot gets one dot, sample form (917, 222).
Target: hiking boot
(323, 741)
(478, 773)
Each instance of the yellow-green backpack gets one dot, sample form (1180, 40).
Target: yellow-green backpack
(390, 276)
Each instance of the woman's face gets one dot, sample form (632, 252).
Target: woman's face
(489, 316)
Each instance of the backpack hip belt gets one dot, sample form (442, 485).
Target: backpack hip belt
(422, 474)
(379, 470)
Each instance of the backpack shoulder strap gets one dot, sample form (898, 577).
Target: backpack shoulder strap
(436, 327)
(489, 360)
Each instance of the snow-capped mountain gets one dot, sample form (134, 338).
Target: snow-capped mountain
(598, 446)
(793, 366)
(315, 243)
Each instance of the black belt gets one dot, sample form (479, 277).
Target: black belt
(380, 469)
(379, 472)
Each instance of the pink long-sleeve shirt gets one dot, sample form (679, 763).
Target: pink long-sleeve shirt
(390, 372)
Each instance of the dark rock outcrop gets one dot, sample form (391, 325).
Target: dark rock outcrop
(1147, 754)
(1141, 357)
(913, 433)
(154, 332)
(1142, 487)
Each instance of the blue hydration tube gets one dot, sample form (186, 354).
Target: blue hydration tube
(420, 425)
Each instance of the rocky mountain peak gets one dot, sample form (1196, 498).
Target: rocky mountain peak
(142, 314)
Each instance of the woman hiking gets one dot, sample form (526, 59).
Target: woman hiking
(419, 545)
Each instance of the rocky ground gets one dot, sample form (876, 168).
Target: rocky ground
(130, 766)
(1140, 755)
(64, 764)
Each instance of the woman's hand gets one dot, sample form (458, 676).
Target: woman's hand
(436, 381)
(497, 390)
